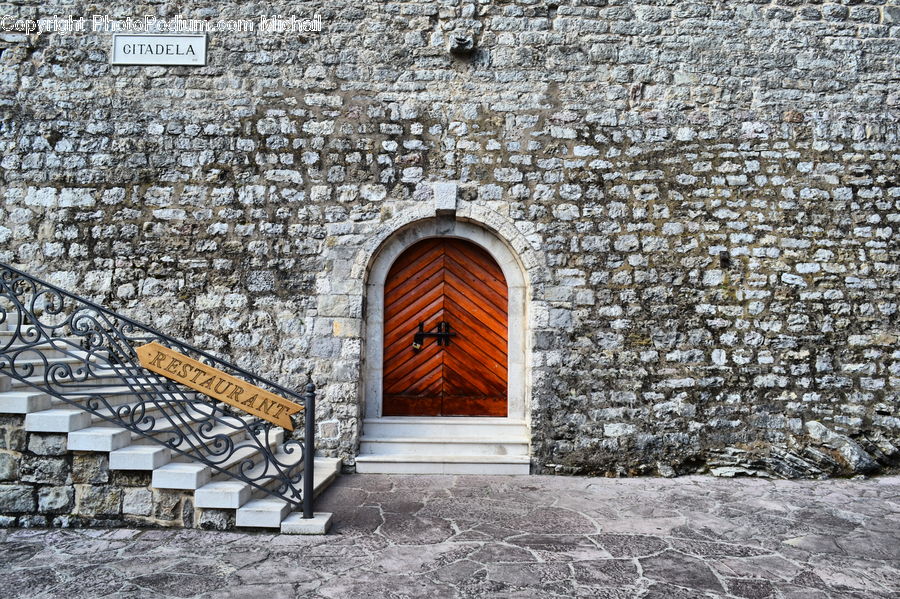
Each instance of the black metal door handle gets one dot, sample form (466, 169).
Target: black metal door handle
(443, 335)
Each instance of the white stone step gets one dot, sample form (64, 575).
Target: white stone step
(442, 464)
(11, 318)
(57, 420)
(9, 327)
(50, 349)
(23, 402)
(326, 470)
(248, 449)
(70, 386)
(139, 457)
(223, 494)
(477, 428)
(181, 475)
(98, 438)
(39, 366)
(115, 395)
(292, 461)
(151, 409)
(266, 512)
(209, 437)
(232, 493)
(189, 475)
(443, 446)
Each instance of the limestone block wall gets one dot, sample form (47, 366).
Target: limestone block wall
(43, 484)
(705, 193)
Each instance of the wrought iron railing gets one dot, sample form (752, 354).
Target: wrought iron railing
(83, 354)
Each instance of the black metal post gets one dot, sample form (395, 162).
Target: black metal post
(309, 449)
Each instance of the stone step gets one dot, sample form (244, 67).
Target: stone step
(476, 428)
(40, 366)
(139, 457)
(249, 451)
(442, 464)
(181, 475)
(184, 473)
(23, 402)
(66, 419)
(56, 348)
(165, 419)
(267, 512)
(57, 420)
(68, 386)
(259, 510)
(9, 326)
(232, 493)
(145, 454)
(326, 470)
(98, 438)
(116, 395)
(442, 446)
(223, 494)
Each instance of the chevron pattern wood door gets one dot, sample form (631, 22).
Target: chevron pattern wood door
(459, 283)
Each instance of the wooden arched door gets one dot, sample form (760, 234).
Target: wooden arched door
(445, 332)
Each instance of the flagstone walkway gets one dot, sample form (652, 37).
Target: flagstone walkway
(473, 536)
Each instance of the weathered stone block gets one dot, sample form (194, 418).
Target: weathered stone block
(45, 470)
(12, 433)
(97, 500)
(167, 504)
(34, 521)
(47, 443)
(130, 478)
(90, 467)
(17, 499)
(187, 513)
(9, 466)
(137, 502)
(55, 499)
(216, 519)
(856, 458)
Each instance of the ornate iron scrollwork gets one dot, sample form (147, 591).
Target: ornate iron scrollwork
(83, 354)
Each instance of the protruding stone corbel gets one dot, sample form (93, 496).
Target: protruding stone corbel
(462, 43)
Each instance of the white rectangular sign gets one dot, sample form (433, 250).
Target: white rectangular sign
(152, 49)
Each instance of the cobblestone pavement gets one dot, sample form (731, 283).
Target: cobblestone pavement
(538, 536)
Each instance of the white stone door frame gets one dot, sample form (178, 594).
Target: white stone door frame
(518, 316)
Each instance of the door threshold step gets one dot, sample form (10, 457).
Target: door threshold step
(492, 440)
(460, 420)
(446, 446)
(445, 427)
(425, 464)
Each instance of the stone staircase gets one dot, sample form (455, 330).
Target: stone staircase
(130, 452)
(443, 445)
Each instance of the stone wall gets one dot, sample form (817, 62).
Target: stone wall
(43, 484)
(708, 192)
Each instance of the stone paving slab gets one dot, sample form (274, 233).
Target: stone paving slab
(529, 536)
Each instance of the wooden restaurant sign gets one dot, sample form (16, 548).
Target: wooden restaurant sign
(217, 384)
